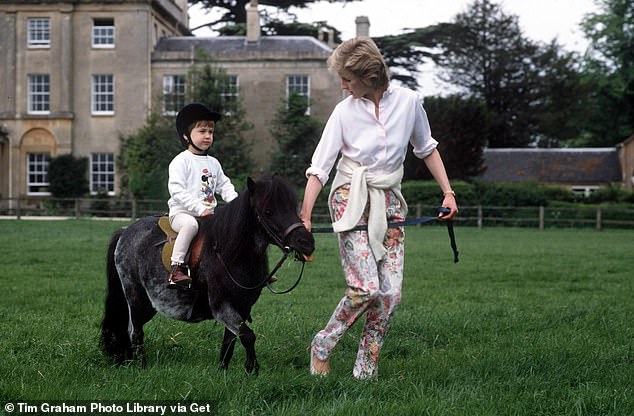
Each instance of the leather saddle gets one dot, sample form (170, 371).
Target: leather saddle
(195, 248)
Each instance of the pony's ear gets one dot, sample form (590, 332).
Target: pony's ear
(250, 184)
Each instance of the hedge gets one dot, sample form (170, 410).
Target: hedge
(489, 194)
(500, 194)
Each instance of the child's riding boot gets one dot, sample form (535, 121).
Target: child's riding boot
(179, 276)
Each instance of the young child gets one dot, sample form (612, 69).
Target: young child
(194, 179)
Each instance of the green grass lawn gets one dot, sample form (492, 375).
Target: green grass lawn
(528, 323)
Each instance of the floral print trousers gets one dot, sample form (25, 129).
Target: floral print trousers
(373, 287)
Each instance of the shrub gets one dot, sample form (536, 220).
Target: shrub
(67, 176)
(428, 193)
(559, 193)
(525, 194)
(611, 193)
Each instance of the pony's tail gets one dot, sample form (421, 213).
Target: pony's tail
(115, 341)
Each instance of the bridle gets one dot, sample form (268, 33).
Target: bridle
(281, 243)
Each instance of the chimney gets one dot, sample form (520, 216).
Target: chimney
(363, 26)
(327, 36)
(253, 22)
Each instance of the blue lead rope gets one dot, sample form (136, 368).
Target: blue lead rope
(413, 221)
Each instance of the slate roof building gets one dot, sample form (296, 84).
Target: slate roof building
(77, 75)
(582, 170)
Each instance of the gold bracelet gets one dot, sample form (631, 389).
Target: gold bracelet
(449, 192)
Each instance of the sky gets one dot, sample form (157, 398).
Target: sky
(541, 20)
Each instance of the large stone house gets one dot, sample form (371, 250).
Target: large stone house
(77, 75)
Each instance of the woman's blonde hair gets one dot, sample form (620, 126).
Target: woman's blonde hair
(363, 59)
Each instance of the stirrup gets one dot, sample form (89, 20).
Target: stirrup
(185, 283)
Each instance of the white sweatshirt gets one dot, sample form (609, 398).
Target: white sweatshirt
(193, 182)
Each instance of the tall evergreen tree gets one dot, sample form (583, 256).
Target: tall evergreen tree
(234, 11)
(486, 54)
(460, 125)
(145, 156)
(405, 53)
(297, 134)
(609, 70)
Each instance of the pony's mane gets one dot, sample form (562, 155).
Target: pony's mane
(282, 189)
(233, 222)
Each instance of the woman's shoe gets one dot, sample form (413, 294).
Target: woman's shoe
(318, 367)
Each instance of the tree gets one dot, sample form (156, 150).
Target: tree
(277, 27)
(609, 70)
(67, 176)
(145, 156)
(297, 135)
(235, 10)
(561, 103)
(485, 53)
(460, 125)
(405, 53)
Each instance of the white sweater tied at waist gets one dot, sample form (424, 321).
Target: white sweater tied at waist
(364, 184)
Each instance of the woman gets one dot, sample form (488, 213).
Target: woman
(371, 129)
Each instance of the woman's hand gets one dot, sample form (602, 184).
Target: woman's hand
(306, 221)
(449, 202)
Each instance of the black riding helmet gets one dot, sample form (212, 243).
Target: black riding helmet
(189, 115)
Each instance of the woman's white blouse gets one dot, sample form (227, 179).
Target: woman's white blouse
(380, 144)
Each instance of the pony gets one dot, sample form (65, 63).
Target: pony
(227, 281)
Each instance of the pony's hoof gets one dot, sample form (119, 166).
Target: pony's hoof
(252, 369)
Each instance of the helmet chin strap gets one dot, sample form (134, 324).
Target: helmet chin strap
(191, 143)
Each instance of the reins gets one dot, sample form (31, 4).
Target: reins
(280, 242)
(287, 250)
(265, 281)
(413, 221)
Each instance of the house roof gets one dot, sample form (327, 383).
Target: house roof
(237, 47)
(566, 166)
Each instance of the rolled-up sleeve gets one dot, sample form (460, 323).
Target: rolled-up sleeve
(327, 150)
(422, 141)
